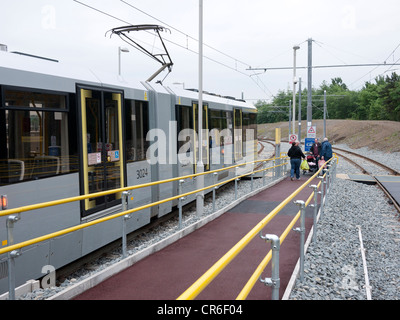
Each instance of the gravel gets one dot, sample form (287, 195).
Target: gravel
(333, 264)
(333, 268)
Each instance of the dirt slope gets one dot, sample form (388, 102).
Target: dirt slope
(377, 135)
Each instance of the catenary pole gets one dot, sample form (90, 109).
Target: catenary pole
(200, 166)
(294, 88)
(324, 113)
(309, 84)
(299, 109)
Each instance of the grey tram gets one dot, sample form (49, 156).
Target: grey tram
(66, 132)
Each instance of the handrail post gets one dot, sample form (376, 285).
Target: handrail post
(302, 231)
(277, 157)
(125, 218)
(215, 174)
(11, 220)
(275, 174)
(180, 205)
(322, 194)
(274, 281)
(236, 181)
(325, 185)
(315, 205)
(329, 178)
(263, 171)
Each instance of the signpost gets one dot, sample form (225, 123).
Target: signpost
(311, 135)
(312, 132)
(292, 138)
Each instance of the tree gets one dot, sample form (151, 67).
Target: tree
(390, 97)
(375, 101)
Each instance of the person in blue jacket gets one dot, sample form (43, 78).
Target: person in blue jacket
(326, 150)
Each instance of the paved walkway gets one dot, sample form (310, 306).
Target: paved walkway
(168, 273)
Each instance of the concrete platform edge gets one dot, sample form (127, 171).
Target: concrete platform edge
(97, 278)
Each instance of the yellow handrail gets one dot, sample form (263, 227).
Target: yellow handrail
(211, 273)
(257, 273)
(104, 193)
(97, 221)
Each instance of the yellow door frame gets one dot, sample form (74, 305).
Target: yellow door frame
(85, 94)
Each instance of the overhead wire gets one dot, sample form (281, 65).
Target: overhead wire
(319, 43)
(211, 59)
(323, 45)
(392, 53)
(372, 70)
(184, 33)
(179, 45)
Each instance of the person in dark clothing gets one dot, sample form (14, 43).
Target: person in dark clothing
(326, 150)
(295, 155)
(316, 150)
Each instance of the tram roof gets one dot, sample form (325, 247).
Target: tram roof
(193, 94)
(29, 71)
(35, 72)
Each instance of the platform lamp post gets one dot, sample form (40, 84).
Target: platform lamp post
(119, 58)
(294, 87)
(180, 83)
(200, 165)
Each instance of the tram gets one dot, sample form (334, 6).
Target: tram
(66, 131)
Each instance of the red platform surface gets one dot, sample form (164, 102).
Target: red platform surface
(166, 274)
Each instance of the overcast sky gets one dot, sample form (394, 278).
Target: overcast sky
(253, 33)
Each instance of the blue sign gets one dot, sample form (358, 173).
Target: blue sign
(308, 142)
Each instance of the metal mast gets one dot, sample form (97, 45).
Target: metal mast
(309, 83)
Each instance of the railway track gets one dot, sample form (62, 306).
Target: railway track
(354, 159)
(390, 171)
(355, 163)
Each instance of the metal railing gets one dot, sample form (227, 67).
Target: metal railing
(197, 287)
(14, 215)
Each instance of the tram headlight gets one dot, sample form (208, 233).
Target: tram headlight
(4, 202)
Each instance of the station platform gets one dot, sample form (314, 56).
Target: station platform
(166, 274)
(390, 183)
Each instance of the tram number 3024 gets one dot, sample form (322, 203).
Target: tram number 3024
(141, 173)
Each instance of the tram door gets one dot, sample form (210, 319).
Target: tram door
(102, 148)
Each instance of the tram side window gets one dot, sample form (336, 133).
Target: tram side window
(185, 129)
(220, 134)
(220, 128)
(137, 126)
(35, 126)
(249, 133)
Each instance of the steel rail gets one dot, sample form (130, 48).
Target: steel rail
(391, 170)
(396, 205)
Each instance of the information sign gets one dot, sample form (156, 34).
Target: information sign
(312, 132)
(308, 142)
